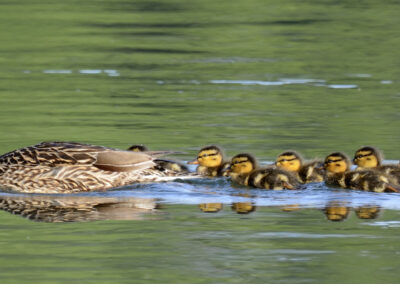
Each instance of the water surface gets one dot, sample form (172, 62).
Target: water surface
(254, 76)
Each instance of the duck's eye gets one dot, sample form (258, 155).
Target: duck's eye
(368, 159)
(337, 165)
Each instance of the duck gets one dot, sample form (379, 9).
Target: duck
(305, 173)
(244, 171)
(211, 161)
(69, 167)
(338, 174)
(162, 164)
(370, 158)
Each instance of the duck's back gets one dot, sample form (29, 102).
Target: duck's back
(64, 167)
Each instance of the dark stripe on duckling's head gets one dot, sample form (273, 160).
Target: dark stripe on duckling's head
(337, 162)
(138, 148)
(368, 157)
(290, 161)
(209, 156)
(243, 163)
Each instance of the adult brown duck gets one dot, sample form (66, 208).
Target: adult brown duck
(68, 167)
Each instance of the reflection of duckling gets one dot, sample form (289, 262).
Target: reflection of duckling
(211, 161)
(243, 207)
(162, 164)
(336, 211)
(210, 207)
(371, 158)
(305, 173)
(368, 212)
(243, 170)
(290, 208)
(337, 166)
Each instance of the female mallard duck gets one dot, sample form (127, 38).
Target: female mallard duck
(337, 166)
(370, 158)
(305, 173)
(244, 171)
(66, 167)
(210, 161)
(162, 164)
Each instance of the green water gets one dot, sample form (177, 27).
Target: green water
(257, 76)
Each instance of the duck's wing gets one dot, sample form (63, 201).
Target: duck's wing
(70, 153)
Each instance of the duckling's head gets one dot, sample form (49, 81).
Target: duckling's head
(138, 148)
(337, 163)
(209, 156)
(368, 157)
(290, 161)
(243, 163)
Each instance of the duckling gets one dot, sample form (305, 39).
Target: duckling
(210, 161)
(244, 171)
(337, 166)
(370, 158)
(162, 164)
(305, 173)
(67, 167)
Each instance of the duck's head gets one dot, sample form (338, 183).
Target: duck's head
(243, 164)
(290, 161)
(368, 157)
(138, 148)
(337, 163)
(209, 156)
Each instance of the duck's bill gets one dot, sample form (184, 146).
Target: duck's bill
(194, 162)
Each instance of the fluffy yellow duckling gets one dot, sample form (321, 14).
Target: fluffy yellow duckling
(210, 161)
(244, 171)
(162, 164)
(337, 166)
(305, 173)
(370, 158)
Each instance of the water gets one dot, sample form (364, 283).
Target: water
(254, 76)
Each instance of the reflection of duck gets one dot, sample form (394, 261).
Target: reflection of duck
(243, 207)
(72, 208)
(336, 211)
(65, 167)
(210, 207)
(162, 164)
(370, 158)
(290, 208)
(305, 173)
(244, 171)
(338, 174)
(210, 161)
(368, 212)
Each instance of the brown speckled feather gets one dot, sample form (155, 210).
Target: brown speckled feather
(65, 167)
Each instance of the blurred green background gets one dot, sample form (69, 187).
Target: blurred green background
(256, 76)
(315, 76)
